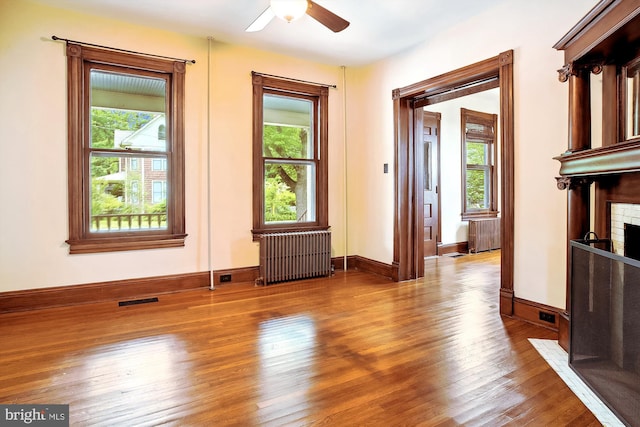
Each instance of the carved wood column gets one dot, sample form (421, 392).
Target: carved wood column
(578, 215)
(578, 203)
(609, 104)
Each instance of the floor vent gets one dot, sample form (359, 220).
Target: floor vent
(453, 255)
(137, 301)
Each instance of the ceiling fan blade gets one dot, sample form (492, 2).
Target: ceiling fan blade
(326, 17)
(261, 21)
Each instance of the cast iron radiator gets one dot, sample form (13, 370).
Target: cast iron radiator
(292, 256)
(484, 234)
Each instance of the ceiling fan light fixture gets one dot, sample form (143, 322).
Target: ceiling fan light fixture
(289, 10)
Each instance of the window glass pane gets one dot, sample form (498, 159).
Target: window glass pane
(633, 101)
(127, 112)
(124, 198)
(427, 166)
(477, 189)
(287, 127)
(289, 192)
(477, 153)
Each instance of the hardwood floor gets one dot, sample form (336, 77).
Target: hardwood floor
(354, 349)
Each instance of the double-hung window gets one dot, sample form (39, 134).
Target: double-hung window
(290, 155)
(126, 150)
(479, 175)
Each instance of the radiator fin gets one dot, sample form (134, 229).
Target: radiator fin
(292, 256)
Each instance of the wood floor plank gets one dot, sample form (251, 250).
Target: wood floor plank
(353, 349)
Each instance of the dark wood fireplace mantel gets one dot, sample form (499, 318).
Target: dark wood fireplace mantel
(607, 41)
(612, 159)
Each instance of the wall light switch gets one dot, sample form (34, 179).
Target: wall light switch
(386, 168)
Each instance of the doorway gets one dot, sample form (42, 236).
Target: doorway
(408, 251)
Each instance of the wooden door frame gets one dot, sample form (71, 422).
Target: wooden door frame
(474, 77)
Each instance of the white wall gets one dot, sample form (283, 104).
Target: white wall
(530, 29)
(232, 147)
(33, 149)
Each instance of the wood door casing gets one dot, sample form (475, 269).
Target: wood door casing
(496, 70)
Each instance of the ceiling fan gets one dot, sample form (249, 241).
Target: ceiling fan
(290, 10)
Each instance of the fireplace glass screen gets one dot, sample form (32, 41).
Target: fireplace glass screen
(604, 345)
(632, 241)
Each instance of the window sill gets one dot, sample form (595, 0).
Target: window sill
(260, 231)
(113, 244)
(479, 215)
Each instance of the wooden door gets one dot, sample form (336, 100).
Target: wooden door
(431, 179)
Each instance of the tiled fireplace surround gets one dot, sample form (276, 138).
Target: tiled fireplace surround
(621, 214)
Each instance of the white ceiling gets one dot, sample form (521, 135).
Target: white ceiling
(379, 28)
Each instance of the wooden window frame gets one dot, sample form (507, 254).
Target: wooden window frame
(478, 117)
(285, 87)
(81, 239)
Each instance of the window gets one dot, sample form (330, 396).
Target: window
(479, 176)
(159, 164)
(290, 155)
(125, 114)
(135, 192)
(159, 191)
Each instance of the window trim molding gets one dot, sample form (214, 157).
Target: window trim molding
(492, 212)
(80, 239)
(261, 84)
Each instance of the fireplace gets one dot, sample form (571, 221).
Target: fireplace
(601, 173)
(624, 229)
(604, 349)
